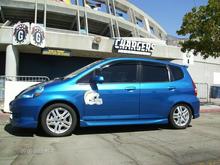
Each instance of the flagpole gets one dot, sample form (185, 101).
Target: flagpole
(35, 16)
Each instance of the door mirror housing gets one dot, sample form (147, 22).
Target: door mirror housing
(97, 79)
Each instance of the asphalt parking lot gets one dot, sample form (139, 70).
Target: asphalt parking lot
(197, 145)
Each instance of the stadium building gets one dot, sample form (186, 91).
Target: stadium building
(55, 37)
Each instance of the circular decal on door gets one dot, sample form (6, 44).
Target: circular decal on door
(92, 98)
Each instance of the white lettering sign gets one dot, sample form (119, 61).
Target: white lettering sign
(133, 47)
(188, 58)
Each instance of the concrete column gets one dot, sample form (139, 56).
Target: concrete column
(117, 31)
(12, 61)
(78, 16)
(134, 21)
(85, 18)
(147, 25)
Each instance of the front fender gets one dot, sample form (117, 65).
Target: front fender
(73, 99)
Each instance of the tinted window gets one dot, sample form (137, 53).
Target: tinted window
(154, 73)
(176, 73)
(86, 78)
(120, 72)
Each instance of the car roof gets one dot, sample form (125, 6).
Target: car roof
(141, 59)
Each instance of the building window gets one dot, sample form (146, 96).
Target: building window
(140, 22)
(152, 30)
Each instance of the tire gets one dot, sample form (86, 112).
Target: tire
(180, 116)
(58, 120)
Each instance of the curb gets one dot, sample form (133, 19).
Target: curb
(4, 117)
(2, 113)
(210, 110)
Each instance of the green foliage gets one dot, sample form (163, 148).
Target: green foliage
(202, 25)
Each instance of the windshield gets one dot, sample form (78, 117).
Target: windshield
(81, 70)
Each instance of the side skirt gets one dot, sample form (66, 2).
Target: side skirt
(122, 122)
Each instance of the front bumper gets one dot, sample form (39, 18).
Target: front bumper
(24, 113)
(23, 122)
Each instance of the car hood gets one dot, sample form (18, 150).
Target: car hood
(47, 84)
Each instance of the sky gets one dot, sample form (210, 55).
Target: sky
(168, 13)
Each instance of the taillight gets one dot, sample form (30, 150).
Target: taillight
(195, 88)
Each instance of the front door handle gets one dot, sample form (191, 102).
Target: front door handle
(172, 88)
(130, 89)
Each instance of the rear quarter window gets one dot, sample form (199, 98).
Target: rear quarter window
(176, 73)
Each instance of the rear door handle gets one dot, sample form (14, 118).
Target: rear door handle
(130, 89)
(172, 88)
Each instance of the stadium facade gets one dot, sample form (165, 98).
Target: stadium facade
(78, 32)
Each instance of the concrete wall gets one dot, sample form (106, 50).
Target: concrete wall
(202, 72)
(12, 89)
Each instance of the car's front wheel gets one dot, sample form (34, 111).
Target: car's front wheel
(58, 120)
(180, 116)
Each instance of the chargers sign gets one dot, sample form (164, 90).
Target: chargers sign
(133, 47)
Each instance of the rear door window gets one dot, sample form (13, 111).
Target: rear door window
(153, 72)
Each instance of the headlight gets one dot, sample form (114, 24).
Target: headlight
(38, 91)
(33, 93)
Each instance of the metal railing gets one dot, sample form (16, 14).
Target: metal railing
(2, 88)
(25, 78)
(21, 79)
(203, 92)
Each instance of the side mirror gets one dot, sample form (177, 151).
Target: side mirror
(97, 79)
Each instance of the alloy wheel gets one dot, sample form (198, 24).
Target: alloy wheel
(181, 115)
(59, 120)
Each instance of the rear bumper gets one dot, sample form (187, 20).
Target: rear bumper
(196, 108)
(196, 115)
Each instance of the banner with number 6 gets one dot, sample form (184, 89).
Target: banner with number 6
(21, 34)
(38, 35)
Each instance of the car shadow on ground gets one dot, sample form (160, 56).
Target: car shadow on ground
(119, 129)
(20, 131)
(88, 130)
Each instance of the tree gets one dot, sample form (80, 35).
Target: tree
(202, 25)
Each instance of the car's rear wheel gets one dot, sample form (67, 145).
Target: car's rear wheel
(58, 120)
(180, 116)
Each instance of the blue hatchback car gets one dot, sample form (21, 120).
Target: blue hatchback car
(114, 91)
